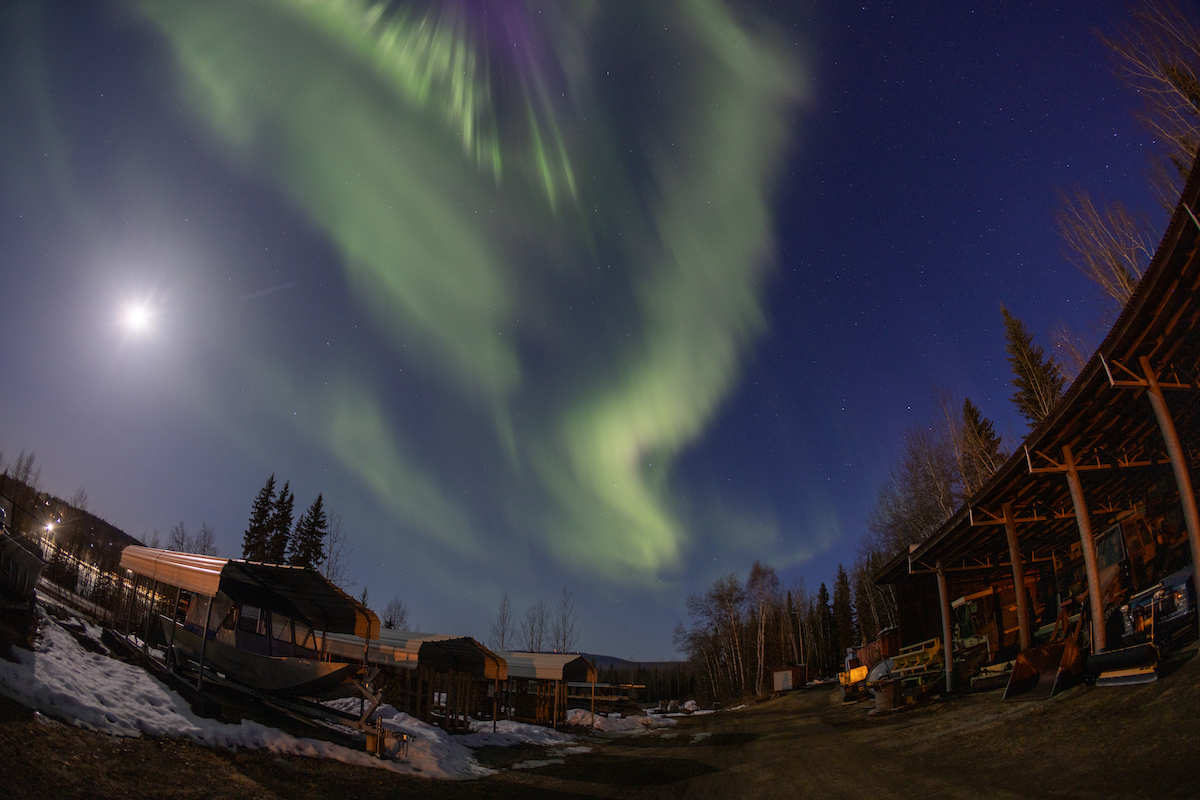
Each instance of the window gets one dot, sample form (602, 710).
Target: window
(253, 620)
(1110, 548)
(304, 636)
(281, 627)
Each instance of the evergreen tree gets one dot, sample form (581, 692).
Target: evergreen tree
(843, 614)
(824, 633)
(981, 453)
(1037, 377)
(254, 543)
(279, 526)
(307, 546)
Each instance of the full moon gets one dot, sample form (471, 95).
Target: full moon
(137, 318)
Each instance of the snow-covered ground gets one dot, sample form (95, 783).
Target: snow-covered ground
(63, 679)
(584, 719)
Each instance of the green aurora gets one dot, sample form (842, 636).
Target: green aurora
(570, 236)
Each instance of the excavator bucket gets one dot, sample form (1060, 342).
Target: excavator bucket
(1041, 672)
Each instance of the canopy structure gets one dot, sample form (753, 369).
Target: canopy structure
(550, 666)
(390, 648)
(297, 591)
(1121, 443)
(199, 574)
(463, 655)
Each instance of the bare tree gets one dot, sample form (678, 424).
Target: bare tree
(1072, 350)
(503, 630)
(79, 500)
(533, 627)
(1158, 54)
(921, 491)
(762, 590)
(395, 615)
(1110, 245)
(25, 471)
(154, 541)
(204, 543)
(565, 631)
(179, 539)
(335, 564)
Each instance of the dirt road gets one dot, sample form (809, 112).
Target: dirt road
(1127, 742)
(1120, 742)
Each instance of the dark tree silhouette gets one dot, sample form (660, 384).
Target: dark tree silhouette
(254, 542)
(307, 545)
(1036, 376)
(279, 526)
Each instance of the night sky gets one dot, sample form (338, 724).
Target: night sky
(619, 296)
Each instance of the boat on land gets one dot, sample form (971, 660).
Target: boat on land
(263, 626)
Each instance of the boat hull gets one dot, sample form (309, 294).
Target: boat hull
(307, 677)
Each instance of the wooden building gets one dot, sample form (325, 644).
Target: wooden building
(539, 684)
(1096, 505)
(443, 680)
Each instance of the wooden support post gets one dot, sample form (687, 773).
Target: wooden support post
(947, 638)
(1084, 521)
(1183, 476)
(1018, 571)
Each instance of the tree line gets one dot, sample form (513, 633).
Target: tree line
(737, 631)
(541, 628)
(270, 536)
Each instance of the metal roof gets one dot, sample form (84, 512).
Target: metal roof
(395, 648)
(1105, 418)
(299, 592)
(548, 666)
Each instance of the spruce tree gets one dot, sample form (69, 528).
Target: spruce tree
(982, 454)
(843, 614)
(825, 633)
(307, 546)
(254, 543)
(1036, 376)
(280, 527)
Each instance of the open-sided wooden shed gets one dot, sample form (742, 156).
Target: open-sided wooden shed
(439, 678)
(1098, 502)
(538, 684)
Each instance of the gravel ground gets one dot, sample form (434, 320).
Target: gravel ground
(1087, 742)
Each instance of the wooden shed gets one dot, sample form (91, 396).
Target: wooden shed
(785, 679)
(538, 684)
(439, 678)
(1095, 507)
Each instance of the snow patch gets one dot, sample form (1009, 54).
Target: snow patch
(509, 733)
(584, 719)
(64, 680)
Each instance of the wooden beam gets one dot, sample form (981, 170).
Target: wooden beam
(1089, 549)
(947, 639)
(1018, 572)
(1183, 477)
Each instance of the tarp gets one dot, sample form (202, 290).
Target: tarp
(296, 591)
